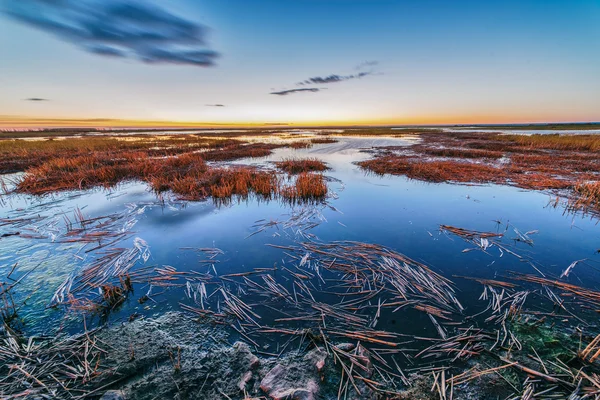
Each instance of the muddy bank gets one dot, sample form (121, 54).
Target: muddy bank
(176, 357)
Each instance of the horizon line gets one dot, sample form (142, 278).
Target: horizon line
(17, 123)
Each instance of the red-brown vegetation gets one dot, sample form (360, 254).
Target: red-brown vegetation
(307, 187)
(186, 175)
(168, 163)
(462, 153)
(539, 162)
(323, 140)
(434, 171)
(19, 155)
(240, 151)
(300, 145)
(588, 195)
(296, 166)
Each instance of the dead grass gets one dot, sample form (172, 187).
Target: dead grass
(300, 145)
(434, 171)
(175, 163)
(588, 195)
(590, 143)
(187, 175)
(538, 162)
(324, 140)
(235, 152)
(462, 153)
(296, 166)
(20, 155)
(307, 187)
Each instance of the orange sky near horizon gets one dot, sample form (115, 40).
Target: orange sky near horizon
(17, 123)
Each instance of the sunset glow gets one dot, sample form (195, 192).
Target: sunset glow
(373, 63)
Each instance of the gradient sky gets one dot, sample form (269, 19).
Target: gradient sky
(425, 62)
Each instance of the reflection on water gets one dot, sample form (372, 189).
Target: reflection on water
(395, 212)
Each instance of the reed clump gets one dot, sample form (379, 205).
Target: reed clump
(434, 171)
(188, 176)
(536, 162)
(241, 151)
(463, 153)
(588, 195)
(307, 187)
(324, 140)
(300, 145)
(555, 141)
(20, 155)
(296, 166)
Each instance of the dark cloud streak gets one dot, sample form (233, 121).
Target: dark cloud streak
(292, 91)
(118, 28)
(36, 99)
(332, 79)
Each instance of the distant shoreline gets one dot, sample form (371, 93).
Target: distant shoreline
(10, 133)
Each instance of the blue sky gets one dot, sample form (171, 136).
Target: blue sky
(423, 61)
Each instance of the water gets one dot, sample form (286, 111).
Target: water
(528, 131)
(401, 214)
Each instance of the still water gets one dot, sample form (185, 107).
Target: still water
(401, 214)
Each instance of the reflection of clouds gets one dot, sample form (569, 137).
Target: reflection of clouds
(118, 28)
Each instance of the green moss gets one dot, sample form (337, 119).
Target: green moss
(549, 343)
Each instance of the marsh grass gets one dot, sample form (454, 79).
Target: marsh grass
(434, 171)
(300, 145)
(555, 141)
(298, 165)
(323, 140)
(307, 187)
(588, 195)
(167, 163)
(537, 162)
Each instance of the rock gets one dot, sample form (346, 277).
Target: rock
(280, 384)
(244, 355)
(113, 395)
(244, 381)
(273, 376)
(294, 394)
(346, 346)
(316, 357)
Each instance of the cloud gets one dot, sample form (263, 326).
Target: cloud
(332, 79)
(118, 28)
(215, 105)
(291, 91)
(367, 64)
(36, 99)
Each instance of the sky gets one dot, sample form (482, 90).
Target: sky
(298, 62)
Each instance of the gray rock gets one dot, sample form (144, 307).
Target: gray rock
(113, 395)
(296, 382)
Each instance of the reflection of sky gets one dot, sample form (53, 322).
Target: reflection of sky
(439, 62)
(393, 211)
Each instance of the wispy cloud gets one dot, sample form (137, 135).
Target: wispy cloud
(365, 69)
(118, 28)
(332, 78)
(215, 105)
(366, 64)
(291, 91)
(36, 99)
